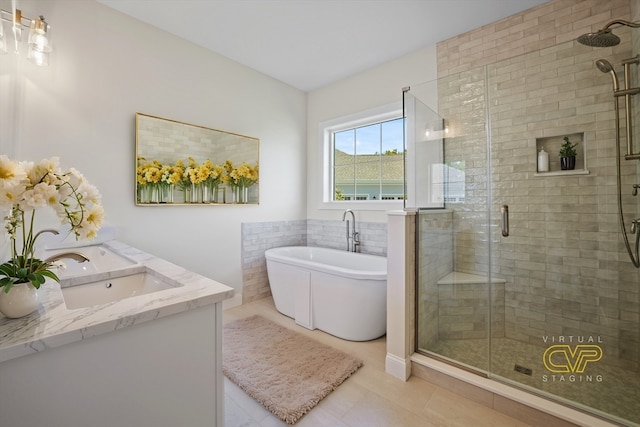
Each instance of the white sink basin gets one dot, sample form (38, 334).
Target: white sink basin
(101, 260)
(110, 290)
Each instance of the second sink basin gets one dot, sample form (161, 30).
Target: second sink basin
(115, 289)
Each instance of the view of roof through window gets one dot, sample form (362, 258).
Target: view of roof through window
(368, 162)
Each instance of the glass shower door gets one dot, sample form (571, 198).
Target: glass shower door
(571, 301)
(453, 305)
(551, 304)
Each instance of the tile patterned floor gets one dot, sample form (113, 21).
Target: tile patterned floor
(618, 393)
(370, 398)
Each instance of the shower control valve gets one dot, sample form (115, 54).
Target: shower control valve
(635, 189)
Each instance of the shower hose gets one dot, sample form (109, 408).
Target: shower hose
(635, 227)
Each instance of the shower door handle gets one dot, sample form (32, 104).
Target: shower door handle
(505, 220)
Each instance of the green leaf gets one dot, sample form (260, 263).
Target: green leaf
(50, 274)
(22, 273)
(8, 269)
(36, 279)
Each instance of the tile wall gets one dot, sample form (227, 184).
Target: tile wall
(332, 234)
(436, 261)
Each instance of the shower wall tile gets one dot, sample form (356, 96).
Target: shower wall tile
(463, 311)
(436, 261)
(539, 28)
(566, 269)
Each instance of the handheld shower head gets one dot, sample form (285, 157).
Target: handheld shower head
(604, 37)
(606, 67)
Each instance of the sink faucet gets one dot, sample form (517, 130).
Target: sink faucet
(47, 230)
(353, 241)
(76, 256)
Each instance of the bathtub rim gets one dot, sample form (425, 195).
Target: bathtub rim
(273, 255)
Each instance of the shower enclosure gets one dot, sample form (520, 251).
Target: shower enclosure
(523, 275)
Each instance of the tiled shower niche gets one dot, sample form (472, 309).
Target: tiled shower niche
(552, 144)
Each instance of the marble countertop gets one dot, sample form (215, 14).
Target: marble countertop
(53, 324)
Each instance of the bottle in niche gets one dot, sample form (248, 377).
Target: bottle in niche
(543, 160)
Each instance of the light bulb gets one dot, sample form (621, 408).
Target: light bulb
(40, 41)
(39, 35)
(38, 57)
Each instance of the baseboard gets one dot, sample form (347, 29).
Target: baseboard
(234, 301)
(397, 367)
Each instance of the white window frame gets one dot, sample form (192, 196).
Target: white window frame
(326, 130)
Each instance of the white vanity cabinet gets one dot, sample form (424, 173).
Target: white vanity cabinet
(151, 360)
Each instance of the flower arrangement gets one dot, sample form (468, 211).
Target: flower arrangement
(214, 173)
(196, 174)
(194, 179)
(26, 187)
(155, 181)
(241, 178)
(244, 175)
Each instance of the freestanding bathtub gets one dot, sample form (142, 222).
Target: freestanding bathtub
(339, 292)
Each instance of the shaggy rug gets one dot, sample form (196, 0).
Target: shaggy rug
(285, 371)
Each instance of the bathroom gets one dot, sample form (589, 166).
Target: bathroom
(70, 110)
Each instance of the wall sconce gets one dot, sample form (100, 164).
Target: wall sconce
(39, 41)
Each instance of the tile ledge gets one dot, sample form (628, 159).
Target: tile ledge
(563, 173)
(457, 278)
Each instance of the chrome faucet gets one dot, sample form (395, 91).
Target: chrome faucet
(353, 240)
(76, 256)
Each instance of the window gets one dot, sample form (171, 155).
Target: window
(364, 159)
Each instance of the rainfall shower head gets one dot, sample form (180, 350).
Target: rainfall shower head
(606, 67)
(604, 37)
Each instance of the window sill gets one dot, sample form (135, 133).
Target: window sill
(380, 205)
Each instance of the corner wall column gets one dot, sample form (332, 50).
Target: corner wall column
(400, 292)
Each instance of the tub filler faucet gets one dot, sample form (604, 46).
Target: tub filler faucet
(353, 239)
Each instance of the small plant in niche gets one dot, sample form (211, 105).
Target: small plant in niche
(568, 149)
(568, 154)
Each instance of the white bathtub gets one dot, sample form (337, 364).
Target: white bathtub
(339, 292)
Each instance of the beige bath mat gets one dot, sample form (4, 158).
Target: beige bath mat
(285, 371)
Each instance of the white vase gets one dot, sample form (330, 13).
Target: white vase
(22, 299)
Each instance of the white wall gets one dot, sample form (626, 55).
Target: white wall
(373, 88)
(106, 67)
